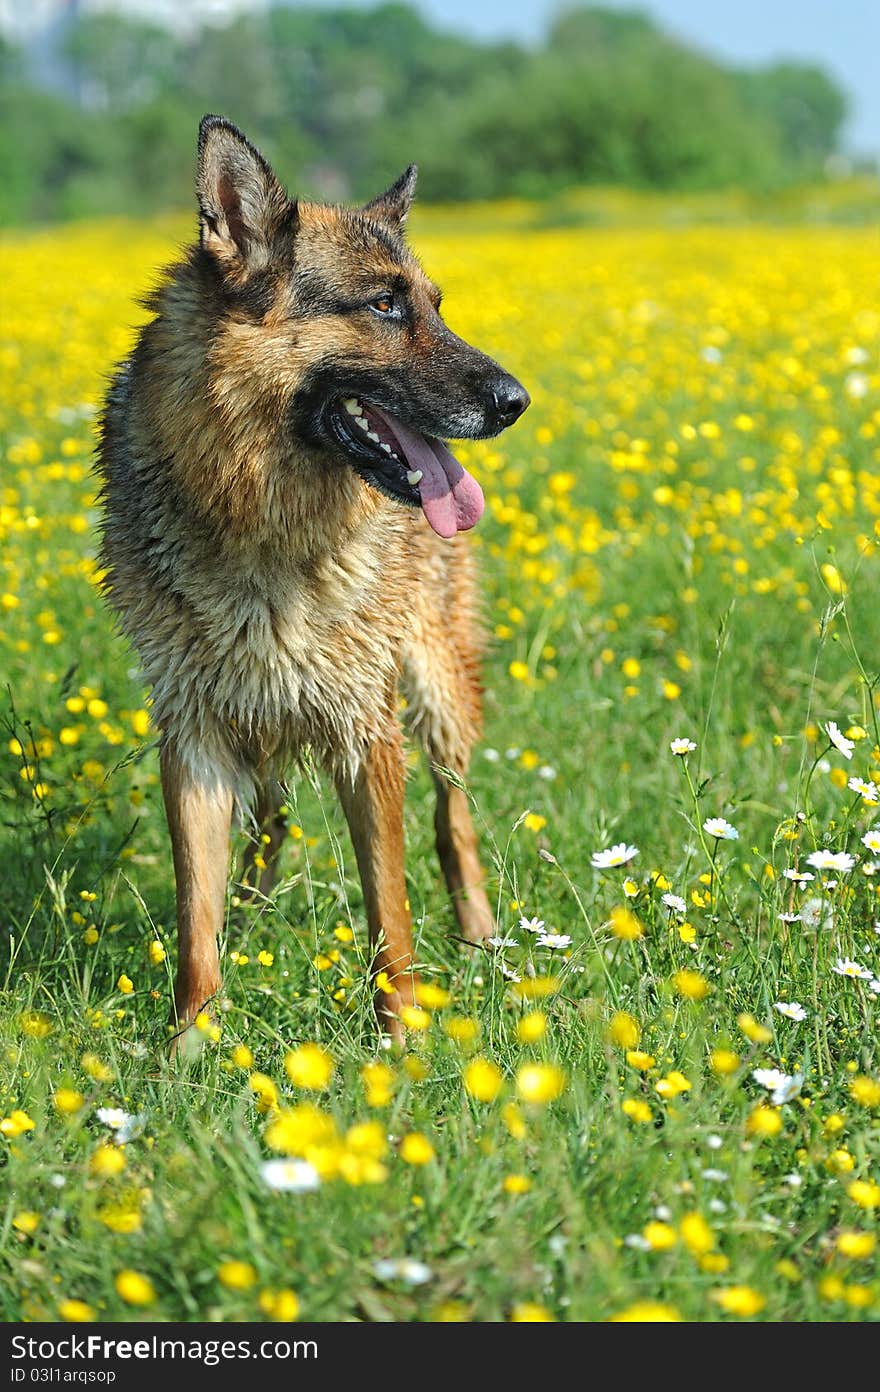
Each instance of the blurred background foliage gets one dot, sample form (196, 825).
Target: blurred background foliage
(341, 99)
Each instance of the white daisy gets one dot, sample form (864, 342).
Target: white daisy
(782, 1086)
(532, 925)
(621, 854)
(501, 943)
(554, 940)
(869, 791)
(637, 1242)
(792, 1010)
(845, 966)
(675, 903)
(871, 840)
(682, 747)
(290, 1176)
(720, 829)
(789, 918)
(509, 973)
(491, 755)
(715, 1176)
(841, 861)
(798, 876)
(843, 745)
(874, 986)
(124, 1126)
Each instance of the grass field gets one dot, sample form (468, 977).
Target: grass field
(681, 543)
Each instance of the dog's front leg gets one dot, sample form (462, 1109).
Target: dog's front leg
(373, 805)
(199, 814)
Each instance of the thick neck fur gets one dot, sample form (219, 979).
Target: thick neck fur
(214, 388)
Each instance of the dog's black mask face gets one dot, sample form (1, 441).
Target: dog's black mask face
(377, 378)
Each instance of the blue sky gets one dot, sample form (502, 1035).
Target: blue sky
(843, 35)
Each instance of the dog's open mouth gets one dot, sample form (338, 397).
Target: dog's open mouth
(406, 465)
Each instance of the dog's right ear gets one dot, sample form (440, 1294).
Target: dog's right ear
(242, 206)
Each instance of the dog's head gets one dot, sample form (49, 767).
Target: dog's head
(351, 338)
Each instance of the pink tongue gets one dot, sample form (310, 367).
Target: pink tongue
(452, 500)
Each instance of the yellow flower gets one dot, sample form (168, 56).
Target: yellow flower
(739, 1300)
(461, 1029)
(754, 1033)
(414, 1017)
(26, 1222)
(16, 1124)
(856, 1244)
(864, 1192)
(673, 1084)
(76, 1311)
(90, 936)
(763, 1121)
(483, 1080)
(514, 1121)
(539, 1082)
(625, 925)
(107, 1161)
(67, 1101)
(121, 1218)
(96, 1068)
(35, 1024)
(517, 1184)
(125, 985)
(378, 1081)
(696, 1234)
(691, 985)
(262, 1087)
(265, 958)
(431, 996)
(156, 951)
(532, 1027)
(647, 1312)
(236, 1275)
(637, 1058)
(282, 1305)
(527, 1312)
(416, 1149)
(300, 1129)
(140, 722)
(310, 1067)
(367, 1138)
(241, 1056)
(624, 1030)
(723, 1061)
(636, 1110)
(840, 1161)
(134, 1288)
(659, 1236)
(537, 987)
(533, 822)
(865, 1091)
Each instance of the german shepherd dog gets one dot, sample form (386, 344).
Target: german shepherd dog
(280, 541)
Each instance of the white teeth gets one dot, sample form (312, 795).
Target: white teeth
(386, 448)
(362, 422)
(371, 435)
(414, 476)
(352, 406)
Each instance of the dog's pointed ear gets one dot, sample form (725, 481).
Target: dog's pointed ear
(242, 206)
(393, 205)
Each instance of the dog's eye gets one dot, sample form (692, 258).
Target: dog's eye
(383, 304)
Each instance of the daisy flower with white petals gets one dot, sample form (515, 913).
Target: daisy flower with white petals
(840, 861)
(843, 745)
(792, 1010)
(621, 854)
(720, 829)
(680, 747)
(845, 966)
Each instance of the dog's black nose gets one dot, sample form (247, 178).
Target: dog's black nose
(510, 399)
